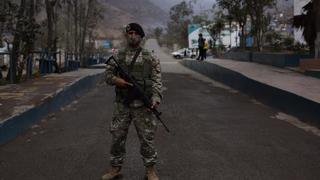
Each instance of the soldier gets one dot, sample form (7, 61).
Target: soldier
(146, 69)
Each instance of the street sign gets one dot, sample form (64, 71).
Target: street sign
(106, 44)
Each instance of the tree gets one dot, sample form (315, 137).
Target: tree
(8, 17)
(91, 13)
(178, 24)
(3, 14)
(85, 17)
(32, 28)
(76, 24)
(51, 22)
(72, 24)
(201, 19)
(216, 28)
(17, 21)
(12, 74)
(68, 23)
(158, 32)
(307, 22)
(94, 20)
(259, 20)
(237, 10)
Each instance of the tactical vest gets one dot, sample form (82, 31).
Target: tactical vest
(141, 71)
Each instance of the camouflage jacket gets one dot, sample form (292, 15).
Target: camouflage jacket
(156, 86)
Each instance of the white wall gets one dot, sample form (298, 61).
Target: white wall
(225, 37)
(228, 37)
(193, 37)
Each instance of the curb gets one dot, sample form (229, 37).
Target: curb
(15, 125)
(305, 109)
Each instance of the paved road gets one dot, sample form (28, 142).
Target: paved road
(218, 134)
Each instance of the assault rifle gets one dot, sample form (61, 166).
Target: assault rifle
(137, 89)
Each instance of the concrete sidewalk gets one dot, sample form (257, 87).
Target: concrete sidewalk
(289, 91)
(288, 80)
(24, 104)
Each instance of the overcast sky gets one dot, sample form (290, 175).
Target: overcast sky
(166, 4)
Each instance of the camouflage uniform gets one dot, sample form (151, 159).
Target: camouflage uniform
(146, 69)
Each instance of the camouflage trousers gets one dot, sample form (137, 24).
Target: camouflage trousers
(145, 124)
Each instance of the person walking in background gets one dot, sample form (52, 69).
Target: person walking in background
(200, 47)
(205, 49)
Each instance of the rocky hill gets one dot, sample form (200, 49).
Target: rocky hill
(118, 13)
(143, 11)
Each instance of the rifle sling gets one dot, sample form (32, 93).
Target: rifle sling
(134, 59)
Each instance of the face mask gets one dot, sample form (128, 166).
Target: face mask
(134, 40)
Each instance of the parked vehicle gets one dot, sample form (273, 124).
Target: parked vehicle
(184, 53)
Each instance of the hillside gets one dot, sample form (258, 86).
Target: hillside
(143, 11)
(118, 13)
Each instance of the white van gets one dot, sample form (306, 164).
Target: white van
(184, 53)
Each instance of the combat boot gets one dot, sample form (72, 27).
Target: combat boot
(113, 173)
(151, 173)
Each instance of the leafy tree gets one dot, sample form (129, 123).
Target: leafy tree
(16, 42)
(177, 28)
(216, 28)
(158, 32)
(307, 22)
(18, 21)
(288, 43)
(82, 16)
(52, 18)
(237, 10)
(3, 14)
(68, 23)
(201, 19)
(91, 13)
(259, 20)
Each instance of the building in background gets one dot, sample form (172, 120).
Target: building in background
(230, 35)
(228, 39)
(193, 31)
(281, 18)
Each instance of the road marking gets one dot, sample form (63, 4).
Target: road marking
(296, 122)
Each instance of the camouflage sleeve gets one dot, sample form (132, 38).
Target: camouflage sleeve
(110, 73)
(156, 79)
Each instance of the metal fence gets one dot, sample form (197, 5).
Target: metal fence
(42, 62)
